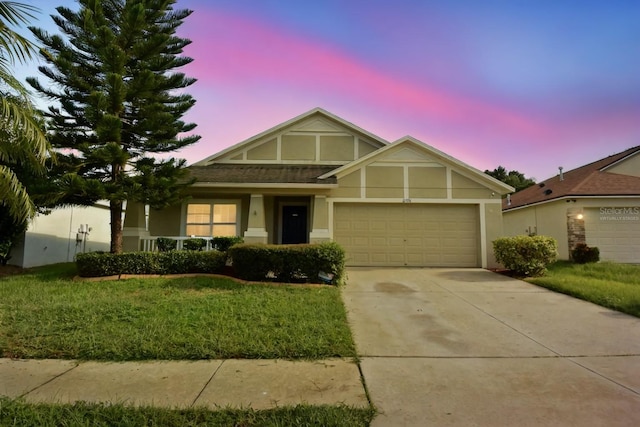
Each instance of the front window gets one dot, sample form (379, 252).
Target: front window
(212, 219)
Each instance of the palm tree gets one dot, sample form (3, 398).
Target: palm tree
(24, 142)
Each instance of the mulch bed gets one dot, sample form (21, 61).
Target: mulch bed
(9, 270)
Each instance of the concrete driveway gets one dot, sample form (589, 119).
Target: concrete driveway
(468, 347)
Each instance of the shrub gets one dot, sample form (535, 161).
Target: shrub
(583, 254)
(526, 255)
(166, 244)
(289, 263)
(95, 264)
(194, 244)
(223, 243)
(10, 232)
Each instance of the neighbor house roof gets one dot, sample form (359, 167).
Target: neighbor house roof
(261, 174)
(589, 180)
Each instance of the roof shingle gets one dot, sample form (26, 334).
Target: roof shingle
(262, 173)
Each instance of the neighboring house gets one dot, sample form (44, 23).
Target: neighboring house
(597, 204)
(318, 177)
(57, 237)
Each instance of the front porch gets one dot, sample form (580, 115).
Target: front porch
(267, 217)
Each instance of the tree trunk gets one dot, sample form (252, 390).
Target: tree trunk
(116, 226)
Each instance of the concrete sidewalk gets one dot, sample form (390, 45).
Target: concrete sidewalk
(257, 384)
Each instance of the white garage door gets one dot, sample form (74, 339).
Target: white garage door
(615, 233)
(408, 234)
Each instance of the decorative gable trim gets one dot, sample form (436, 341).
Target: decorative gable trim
(419, 152)
(316, 120)
(317, 125)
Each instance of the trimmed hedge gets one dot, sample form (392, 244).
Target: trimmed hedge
(95, 264)
(223, 243)
(289, 263)
(165, 244)
(194, 244)
(583, 254)
(526, 255)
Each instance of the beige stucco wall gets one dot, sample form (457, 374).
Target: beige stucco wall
(270, 218)
(631, 166)
(336, 147)
(465, 188)
(549, 219)
(365, 148)
(165, 222)
(384, 181)
(427, 182)
(265, 151)
(298, 147)
(493, 230)
(348, 186)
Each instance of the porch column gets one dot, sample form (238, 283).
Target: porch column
(134, 227)
(320, 227)
(256, 230)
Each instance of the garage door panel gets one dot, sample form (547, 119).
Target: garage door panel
(415, 235)
(360, 241)
(617, 239)
(396, 241)
(414, 225)
(358, 225)
(377, 242)
(414, 242)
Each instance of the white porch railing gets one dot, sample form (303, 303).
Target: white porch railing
(148, 244)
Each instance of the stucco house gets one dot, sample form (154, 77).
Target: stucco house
(597, 204)
(60, 235)
(318, 177)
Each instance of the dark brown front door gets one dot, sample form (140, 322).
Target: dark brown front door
(294, 224)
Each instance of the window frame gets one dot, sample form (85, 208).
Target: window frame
(211, 203)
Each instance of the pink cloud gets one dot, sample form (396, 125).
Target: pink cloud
(254, 75)
(233, 51)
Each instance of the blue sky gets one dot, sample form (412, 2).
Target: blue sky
(530, 85)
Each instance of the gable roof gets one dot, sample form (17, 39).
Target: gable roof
(431, 151)
(588, 180)
(289, 123)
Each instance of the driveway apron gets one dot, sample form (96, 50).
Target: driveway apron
(468, 347)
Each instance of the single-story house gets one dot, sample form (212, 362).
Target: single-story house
(60, 235)
(318, 177)
(597, 204)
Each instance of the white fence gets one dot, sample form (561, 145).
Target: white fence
(149, 244)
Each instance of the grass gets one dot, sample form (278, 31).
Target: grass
(45, 314)
(616, 286)
(19, 413)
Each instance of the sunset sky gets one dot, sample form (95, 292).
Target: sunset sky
(527, 84)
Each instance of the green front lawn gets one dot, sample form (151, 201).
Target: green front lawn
(611, 285)
(45, 314)
(18, 413)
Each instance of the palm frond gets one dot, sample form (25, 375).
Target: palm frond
(13, 46)
(15, 196)
(23, 120)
